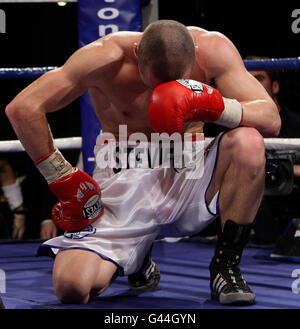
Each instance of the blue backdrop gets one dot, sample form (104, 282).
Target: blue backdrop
(97, 18)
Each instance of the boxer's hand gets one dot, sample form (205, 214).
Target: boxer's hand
(78, 194)
(174, 103)
(79, 201)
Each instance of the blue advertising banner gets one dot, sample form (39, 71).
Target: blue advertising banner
(97, 18)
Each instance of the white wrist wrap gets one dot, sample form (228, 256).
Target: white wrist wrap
(232, 115)
(54, 167)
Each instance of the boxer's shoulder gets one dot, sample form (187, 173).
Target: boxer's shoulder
(122, 39)
(103, 56)
(110, 45)
(114, 47)
(214, 51)
(202, 36)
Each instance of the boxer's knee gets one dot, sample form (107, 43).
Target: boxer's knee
(76, 287)
(71, 289)
(79, 275)
(246, 148)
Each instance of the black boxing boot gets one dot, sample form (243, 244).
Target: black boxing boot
(226, 281)
(147, 277)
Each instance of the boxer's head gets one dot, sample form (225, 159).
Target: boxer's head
(166, 52)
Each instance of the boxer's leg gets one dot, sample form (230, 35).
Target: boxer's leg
(239, 177)
(79, 275)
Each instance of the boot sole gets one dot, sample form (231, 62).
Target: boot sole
(235, 298)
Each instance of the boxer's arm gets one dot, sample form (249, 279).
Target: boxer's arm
(56, 89)
(27, 111)
(234, 81)
(78, 194)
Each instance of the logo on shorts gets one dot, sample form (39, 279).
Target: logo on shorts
(92, 207)
(80, 234)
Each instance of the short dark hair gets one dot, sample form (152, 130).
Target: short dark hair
(274, 75)
(168, 49)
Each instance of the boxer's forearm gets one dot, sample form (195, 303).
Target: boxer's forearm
(262, 115)
(32, 129)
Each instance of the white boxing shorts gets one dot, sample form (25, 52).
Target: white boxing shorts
(141, 205)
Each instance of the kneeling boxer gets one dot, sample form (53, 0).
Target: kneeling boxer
(124, 72)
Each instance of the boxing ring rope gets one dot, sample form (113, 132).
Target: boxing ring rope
(70, 143)
(273, 64)
(76, 142)
(24, 73)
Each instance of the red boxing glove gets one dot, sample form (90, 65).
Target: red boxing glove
(79, 201)
(174, 103)
(79, 194)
